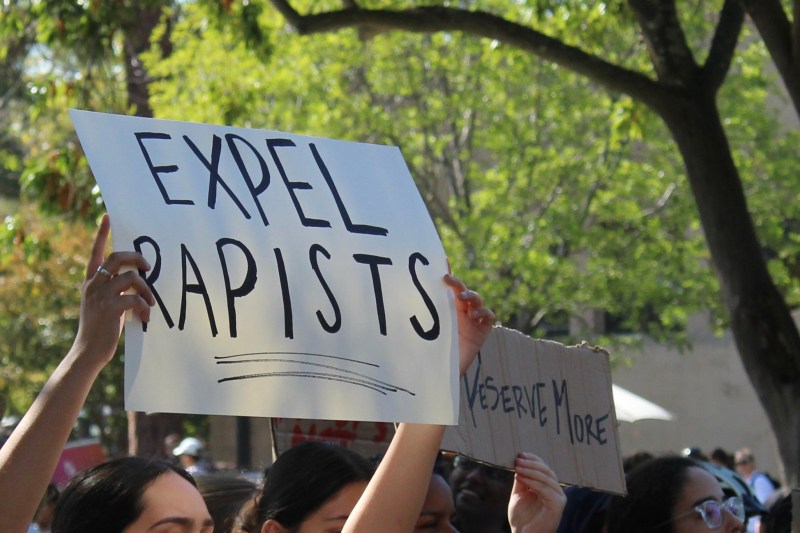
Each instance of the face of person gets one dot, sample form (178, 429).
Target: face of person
(701, 486)
(480, 492)
(743, 465)
(438, 509)
(330, 518)
(172, 505)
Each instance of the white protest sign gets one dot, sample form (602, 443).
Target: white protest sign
(295, 276)
(526, 395)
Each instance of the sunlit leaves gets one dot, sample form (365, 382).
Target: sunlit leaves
(550, 195)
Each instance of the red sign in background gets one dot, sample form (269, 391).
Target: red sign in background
(76, 456)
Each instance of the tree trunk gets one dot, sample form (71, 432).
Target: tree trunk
(146, 432)
(765, 333)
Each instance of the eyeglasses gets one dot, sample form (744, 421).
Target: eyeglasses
(712, 511)
(489, 472)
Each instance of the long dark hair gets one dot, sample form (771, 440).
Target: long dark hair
(301, 480)
(107, 498)
(653, 490)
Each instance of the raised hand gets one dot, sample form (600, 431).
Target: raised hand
(474, 321)
(106, 295)
(537, 500)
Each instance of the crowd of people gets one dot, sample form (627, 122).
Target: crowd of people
(319, 487)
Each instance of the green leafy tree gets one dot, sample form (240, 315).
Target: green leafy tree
(662, 59)
(451, 114)
(41, 271)
(82, 55)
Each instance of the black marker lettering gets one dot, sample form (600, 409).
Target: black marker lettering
(432, 333)
(352, 228)
(288, 323)
(373, 261)
(506, 399)
(471, 394)
(157, 171)
(600, 429)
(247, 285)
(517, 391)
(255, 190)
(198, 288)
(562, 398)
(579, 428)
(337, 323)
(292, 185)
(213, 173)
(151, 276)
(542, 407)
(489, 380)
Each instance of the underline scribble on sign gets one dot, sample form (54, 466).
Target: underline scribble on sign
(338, 374)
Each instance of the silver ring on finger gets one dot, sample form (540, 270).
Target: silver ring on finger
(102, 270)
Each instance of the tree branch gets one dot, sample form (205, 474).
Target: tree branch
(671, 56)
(782, 38)
(481, 24)
(774, 26)
(723, 45)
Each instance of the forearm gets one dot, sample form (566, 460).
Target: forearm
(394, 497)
(30, 456)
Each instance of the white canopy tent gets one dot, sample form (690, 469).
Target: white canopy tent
(631, 407)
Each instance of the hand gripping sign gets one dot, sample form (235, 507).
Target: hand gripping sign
(294, 276)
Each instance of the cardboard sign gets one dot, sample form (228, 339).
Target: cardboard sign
(295, 276)
(522, 395)
(526, 395)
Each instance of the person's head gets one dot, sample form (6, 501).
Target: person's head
(224, 495)
(584, 512)
(635, 459)
(188, 451)
(673, 495)
(722, 458)
(693, 452)
(438, 510)
(131, 495)
(745, 461)
(171, 442)
(779, 516)
(481, 494)
(310, 488)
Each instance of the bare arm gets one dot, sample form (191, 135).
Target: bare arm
(29, 457)
(394, 496)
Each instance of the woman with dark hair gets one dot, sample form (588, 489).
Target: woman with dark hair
(224, 493)
(168, 501)
(392, 499)
(310, 484)
(131, 495)
(29, 457)
(674, 495)
(112, 286)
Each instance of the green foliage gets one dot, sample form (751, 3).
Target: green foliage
(42, 266)
(765, 151)
(549, 195)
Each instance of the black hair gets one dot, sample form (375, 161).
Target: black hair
(653, 491)
(224, 495)
(107, 498)
(724, 458)
(301, 480)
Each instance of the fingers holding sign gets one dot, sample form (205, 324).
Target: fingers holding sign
(474, 321)
(111, 287)
(537, 499)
